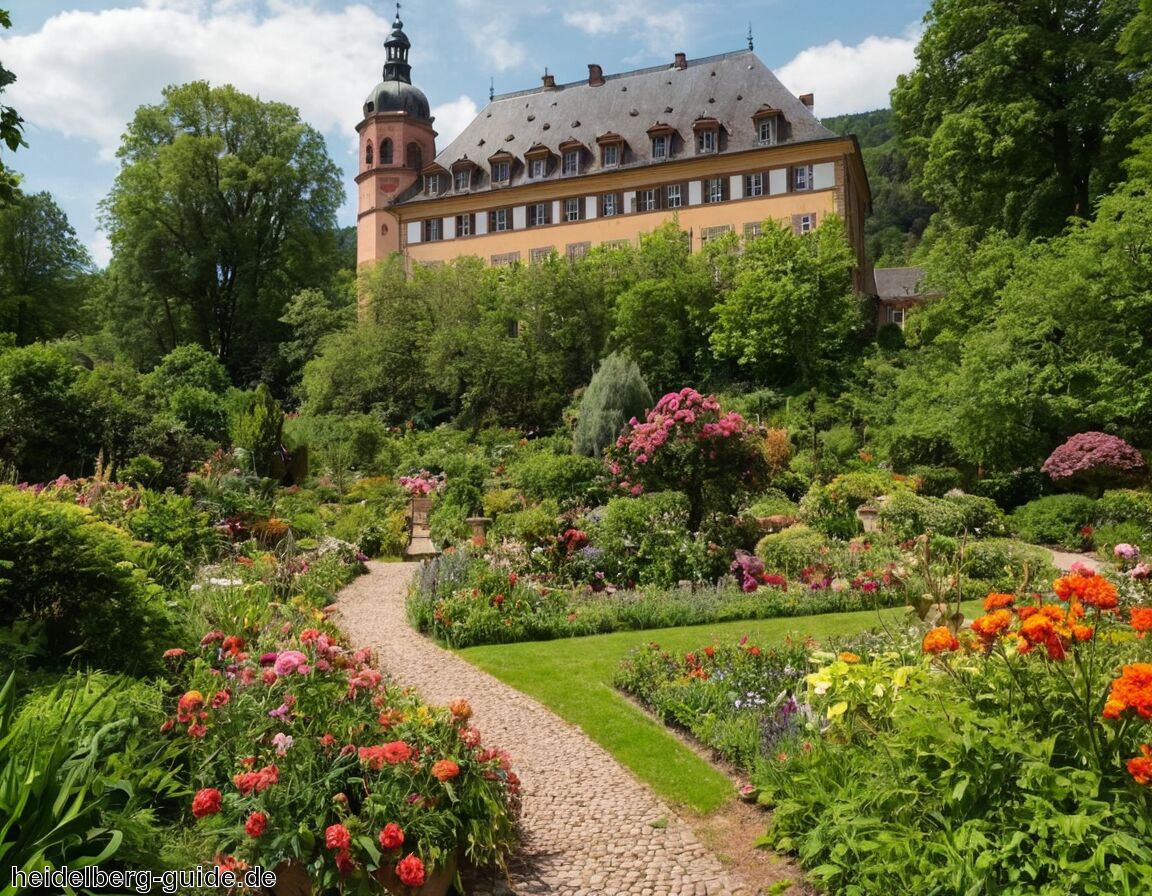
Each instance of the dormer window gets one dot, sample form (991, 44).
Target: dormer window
(537, 168)
(463, 180)
(611, 150)
(768, 123)
(536, 161)
(661, 135)
(432, 184)
(707, 132)
(501, 172)
(571, 162)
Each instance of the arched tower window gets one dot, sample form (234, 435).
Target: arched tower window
(415, 158)
(368, 154)
(386, 152)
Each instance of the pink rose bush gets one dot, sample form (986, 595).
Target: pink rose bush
(687, 443)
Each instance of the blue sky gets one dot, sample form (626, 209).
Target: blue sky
(84, 66)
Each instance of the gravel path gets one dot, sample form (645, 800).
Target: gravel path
(1063, 560)
(590, 827)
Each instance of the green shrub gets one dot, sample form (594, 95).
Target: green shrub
(906, 515)
(646, 541)
(531, 526)
(790, 551)
(773, 503)
(1126, 505)
(1010, 490)
(1002, 563)
(258, 432)
(1055, 519)
(379, 531)
(935, 481)
(565, 478)
(1105, 538)
(447, 522)
(616, 394)
(498, 501)
(142, 471)
(978, 515)
(77, 582)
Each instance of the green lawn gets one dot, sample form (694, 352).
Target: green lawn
(573, 677)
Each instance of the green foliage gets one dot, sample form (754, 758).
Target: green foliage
(142, 471)
(791, 312)
(1006, 117)
(1125, 506)
(77, 583)
(906, 515)
(566, 478)
(531, 526)
(935, 481)
(172, 521)
(790, 551)
(646, 541)
(1055, 520)
(11, 127)
(1002, 564)
(377, 531)
(39, 432)
(224, 207)
(616, 394)
(258, 432)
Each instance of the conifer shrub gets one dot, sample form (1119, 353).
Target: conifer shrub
(616, 394)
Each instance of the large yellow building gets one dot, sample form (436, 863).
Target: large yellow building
(718, 143)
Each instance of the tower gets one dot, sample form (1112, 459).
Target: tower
(396, 141)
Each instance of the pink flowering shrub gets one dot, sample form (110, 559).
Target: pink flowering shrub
(688, 444)
(421, 484)
(1093, 459)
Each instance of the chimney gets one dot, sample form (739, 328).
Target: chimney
(595, 75)
(807, 99)
(549, 81)
(681, 62)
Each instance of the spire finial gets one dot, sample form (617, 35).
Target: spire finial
(749, 32)
(397, 10)
(491, 89)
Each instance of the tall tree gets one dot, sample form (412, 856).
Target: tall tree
(1006, 115)
(11, 126)
(43, 270)
(223, 208)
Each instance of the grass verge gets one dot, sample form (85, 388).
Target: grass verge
(573, 678)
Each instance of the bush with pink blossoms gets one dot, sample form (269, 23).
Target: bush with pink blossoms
(1093, 460)
(688, 444)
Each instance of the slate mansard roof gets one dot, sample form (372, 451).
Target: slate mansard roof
(730, 89)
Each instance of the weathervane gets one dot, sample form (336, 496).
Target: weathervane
(749, 32)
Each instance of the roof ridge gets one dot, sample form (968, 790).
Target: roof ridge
(583, 82)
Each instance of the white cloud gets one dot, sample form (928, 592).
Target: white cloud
(452, 118)
(84, 73)
(658, 26)
(850, 79)
(490, 39)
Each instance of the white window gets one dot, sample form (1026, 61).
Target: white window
(710, 233)
(706, 140)
(802, 177)
(538, 214)
(753, 184)
(537, 167)
(573, 209)
(896, 316)
(571, 161)
(578, 250)
(752, 230)
(609, 205)
(505, 258)
(463, 180)
(501, 171)
(647, 200)
(807, 223)
(432, 184)
(433, 230)
(714, 189)
(610, 155)
(672, 196)
(766, 131)
(542, 253)
(660, 147)
(498, 220)
(465, 224)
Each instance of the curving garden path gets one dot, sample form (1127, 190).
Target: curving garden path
(589, 826)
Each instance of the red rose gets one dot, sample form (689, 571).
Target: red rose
(337, 837)
(396, 752)
(410, 870)
(256, 824)
(206, 802)
(391, 837)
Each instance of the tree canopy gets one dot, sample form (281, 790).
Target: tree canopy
(224, 207)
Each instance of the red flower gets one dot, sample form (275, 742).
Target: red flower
(221, 698)
(410, 870)
(258, 781)
(232, 645)
(445, 770)
(336, 836)
(1140, 768)
(188, 705)
(396, 752)
(1141, 619)
(256, 824)
(461, 710)
(206, 802)
(197, 729)
(939, 640)
(392, 837)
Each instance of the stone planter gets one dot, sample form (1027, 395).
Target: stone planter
(292, 880)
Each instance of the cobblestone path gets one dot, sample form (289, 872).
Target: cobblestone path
(590, 826)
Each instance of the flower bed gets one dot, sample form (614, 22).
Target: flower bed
(301, 752)
(461, 600)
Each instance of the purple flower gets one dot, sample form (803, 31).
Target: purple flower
(282, 742)
(280, 712)
(267, 659)
(1126, 551)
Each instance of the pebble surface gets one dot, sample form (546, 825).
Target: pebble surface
(589, 826)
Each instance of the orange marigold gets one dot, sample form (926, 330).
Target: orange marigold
(990, 627)
(998, 601)
(1131, 691)
(445, 770)
(1140, 768)
(1141, 619)
(939, 640)
(1090, 589)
